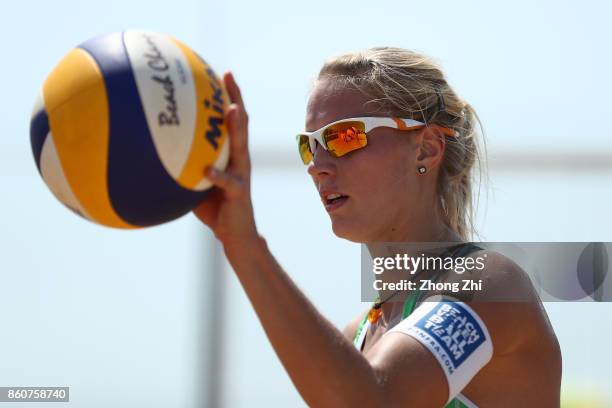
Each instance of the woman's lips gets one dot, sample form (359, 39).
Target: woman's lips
(333, 205)
(332, 199)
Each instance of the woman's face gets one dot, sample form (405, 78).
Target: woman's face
(381, 188)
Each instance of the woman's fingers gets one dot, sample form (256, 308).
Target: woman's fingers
(232, 186)
(228, 210)
(232, 89)
(237, 123)
(239, 143)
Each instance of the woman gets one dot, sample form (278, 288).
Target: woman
(401, 172)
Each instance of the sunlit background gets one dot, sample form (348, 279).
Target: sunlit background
(141, 318)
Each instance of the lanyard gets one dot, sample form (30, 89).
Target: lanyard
(409, 305)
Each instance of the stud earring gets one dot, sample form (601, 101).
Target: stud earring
(422, 169)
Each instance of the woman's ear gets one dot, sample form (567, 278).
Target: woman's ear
(430, 150)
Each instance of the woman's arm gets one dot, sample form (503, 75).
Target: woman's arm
(323, 364)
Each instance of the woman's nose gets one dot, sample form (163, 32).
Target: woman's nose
(322, 163)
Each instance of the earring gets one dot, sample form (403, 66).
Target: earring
(422, 169)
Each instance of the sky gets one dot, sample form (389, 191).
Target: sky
(130, 309)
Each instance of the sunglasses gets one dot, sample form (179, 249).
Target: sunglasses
(347, 135)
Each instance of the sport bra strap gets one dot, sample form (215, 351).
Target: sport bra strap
(410, 303)
(359, 339)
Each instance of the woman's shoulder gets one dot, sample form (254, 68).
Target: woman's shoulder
(502, 279)
(487, 275)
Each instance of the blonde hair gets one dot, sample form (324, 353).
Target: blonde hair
(408, 84)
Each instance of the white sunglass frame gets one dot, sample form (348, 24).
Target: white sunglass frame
(370, 122)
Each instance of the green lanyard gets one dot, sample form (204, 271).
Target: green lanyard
(409, 305)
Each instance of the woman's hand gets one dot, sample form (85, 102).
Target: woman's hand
(228, 210)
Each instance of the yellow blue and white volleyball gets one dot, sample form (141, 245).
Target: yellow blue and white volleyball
(125, 126)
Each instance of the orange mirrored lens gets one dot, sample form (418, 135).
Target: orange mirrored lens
(304, 149)
(345, 137)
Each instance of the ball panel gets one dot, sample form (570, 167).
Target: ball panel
(210, 139)
(53, 174)
(77, 105)
(75, 73)
(142, 192)
(39, 129)
(166, 89)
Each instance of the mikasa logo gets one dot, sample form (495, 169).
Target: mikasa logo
(158, 63)
(214, 132)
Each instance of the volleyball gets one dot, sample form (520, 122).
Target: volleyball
(125, 126)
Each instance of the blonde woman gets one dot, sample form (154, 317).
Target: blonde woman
(391, 149)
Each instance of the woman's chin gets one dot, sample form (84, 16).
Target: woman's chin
(348, 230)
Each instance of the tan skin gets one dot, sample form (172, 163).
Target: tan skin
(394, 371)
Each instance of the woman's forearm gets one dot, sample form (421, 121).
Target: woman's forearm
(324, 366)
